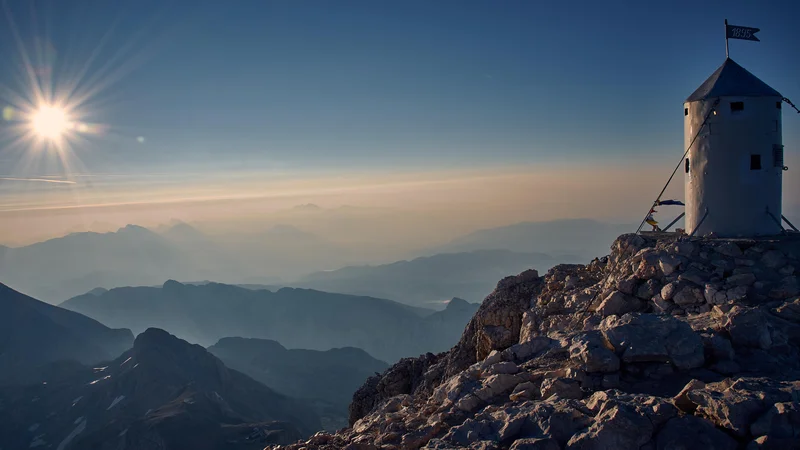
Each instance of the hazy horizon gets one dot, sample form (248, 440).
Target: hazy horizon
(460, 116)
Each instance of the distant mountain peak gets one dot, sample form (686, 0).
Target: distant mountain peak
(182, 228)
(98, 291)
(134, 228)
(172, 284)
(161, 341)
(152, 335)
(457, 303)
(172, 357)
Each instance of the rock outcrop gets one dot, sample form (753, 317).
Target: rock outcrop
(663, 344)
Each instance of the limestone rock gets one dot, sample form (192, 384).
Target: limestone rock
(691, 432)
(562, 387)
(773, 259)
(682, 400)
(749, 327)
(589, 350)
(616, 427)
(739, 405)
(782, 421)
(729, 249)
(535, 444)
(788, 287)
(668, 263)
(770, 443)
(717, 347)
(654, 338)
(648, 289)
(669, 290)
(687, 295)
(527, 349)
(505, 367)
(567, 360)
(789, 310)
(737, 294)
(618, 303)
(628, 285)
(743, 279)
(496, 385)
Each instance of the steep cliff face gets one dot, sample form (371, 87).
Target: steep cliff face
(672, 343)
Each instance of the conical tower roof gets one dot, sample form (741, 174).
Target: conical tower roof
(732, 80)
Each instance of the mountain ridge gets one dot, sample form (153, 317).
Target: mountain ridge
(36, 333)
(295, 317)
(428, 280)
(327, 379)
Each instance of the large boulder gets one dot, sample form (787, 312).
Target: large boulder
(782, 420)
(590, 351)
(618, 427)
(617, 303)
(737, 406)
(749, 327)
(654, 338)
(689, 432)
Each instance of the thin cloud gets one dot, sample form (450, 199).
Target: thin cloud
(42, 180)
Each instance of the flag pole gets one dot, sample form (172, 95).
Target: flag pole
(727, 55)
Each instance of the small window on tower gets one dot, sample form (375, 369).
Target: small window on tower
(777, 155)
(686, 165)
(685, 111)
(778, 105)
(755, 162)
(737, 106)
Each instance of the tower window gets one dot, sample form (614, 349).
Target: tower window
(777, 155)
(755, 162)
(685, 111)
(737, 106)
(686, 165)
(778, 105)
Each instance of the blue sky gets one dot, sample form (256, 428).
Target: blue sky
(307, 84)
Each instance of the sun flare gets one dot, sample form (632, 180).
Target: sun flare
(50, 122)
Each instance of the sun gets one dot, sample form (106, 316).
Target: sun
(50, 122)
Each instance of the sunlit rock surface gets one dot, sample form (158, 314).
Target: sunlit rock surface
(663, 344)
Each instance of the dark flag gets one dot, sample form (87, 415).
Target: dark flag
(671, 202)
(737, 32)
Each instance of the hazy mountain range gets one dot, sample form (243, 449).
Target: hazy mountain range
(326, 379)
(69, 382)
(163, 393)
(573, 239)
(297, 318)
(285, 255)
(430, 281)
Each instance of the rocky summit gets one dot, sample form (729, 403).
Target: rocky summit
(667, 343)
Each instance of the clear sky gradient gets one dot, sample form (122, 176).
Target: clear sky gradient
(300, 85)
